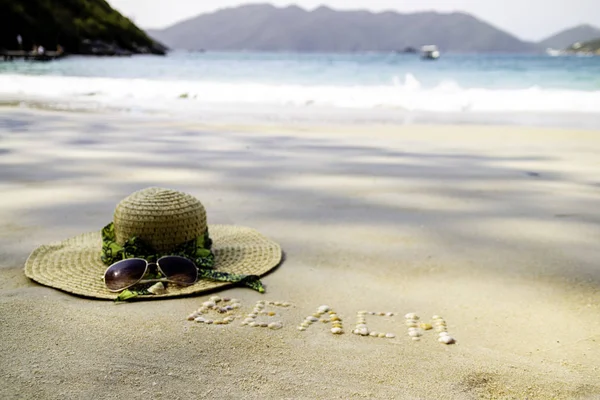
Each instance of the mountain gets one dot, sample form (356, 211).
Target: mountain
(566, 38)
(263, 27)
(73, 24)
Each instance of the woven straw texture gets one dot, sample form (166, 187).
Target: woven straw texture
(162, 218)
(74, 265)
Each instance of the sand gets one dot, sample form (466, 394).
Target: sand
(495, 229)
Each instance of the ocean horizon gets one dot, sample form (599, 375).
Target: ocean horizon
(287, 87)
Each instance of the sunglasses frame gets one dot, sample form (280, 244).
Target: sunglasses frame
(140, 281)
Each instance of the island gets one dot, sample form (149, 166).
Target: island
(591, 47)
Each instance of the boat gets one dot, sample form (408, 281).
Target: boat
(430, 52)
(554, 52)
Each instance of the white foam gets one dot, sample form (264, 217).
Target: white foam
(407, 94)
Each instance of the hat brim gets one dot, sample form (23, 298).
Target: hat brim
(74, 265)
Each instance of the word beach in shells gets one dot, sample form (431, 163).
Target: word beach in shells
(266, 314)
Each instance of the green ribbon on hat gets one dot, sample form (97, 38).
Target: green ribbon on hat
(197, 250)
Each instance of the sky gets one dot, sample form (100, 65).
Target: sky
(527, 19)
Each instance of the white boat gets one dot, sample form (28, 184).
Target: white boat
(430, 52)
(554, 52)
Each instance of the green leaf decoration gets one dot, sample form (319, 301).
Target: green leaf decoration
(197, 250)
(126, 295)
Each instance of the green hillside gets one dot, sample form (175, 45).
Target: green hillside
(593, 46)
(70, 24)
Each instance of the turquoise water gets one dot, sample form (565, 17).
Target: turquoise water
(468, 71)
(185, 82)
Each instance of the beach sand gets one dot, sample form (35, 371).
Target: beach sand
(495, 229)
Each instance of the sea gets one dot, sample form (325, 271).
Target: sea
(391, 88)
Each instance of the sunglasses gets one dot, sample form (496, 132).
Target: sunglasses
(126, 273)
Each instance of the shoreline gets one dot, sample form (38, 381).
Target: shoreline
(245, 115)
(493, 228)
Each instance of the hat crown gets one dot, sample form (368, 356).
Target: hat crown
(162, 218)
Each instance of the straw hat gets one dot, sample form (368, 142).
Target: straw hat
(163, 219)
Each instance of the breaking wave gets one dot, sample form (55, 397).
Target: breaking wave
(405, 93)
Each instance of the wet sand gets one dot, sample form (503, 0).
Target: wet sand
(494, 228)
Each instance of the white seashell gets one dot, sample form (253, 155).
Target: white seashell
(361, 326)
(411, 316)
(252, 315)
(442, 334)
(208, 321)
(374, 334)
(275, 325)
(336, 331)
(157, 288)
(447, 340)
(390, 314)
(216, 299)
(235, 305)
(192, 316)
(415, 333)
(390, 335)
(301, 328)
(363, 331)
(312, 318)
(323, 309)
(277, 303)
(200, 319)
(253, 324)
(436, 317)
(362, 312)
(209, 304)
(285, 304)
(305, 324)
(228, 319)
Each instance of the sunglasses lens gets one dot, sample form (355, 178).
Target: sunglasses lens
(125, 273)
(178, 269)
